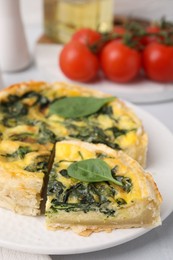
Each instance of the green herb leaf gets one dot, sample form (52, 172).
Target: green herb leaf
(75, 107)
(91, 170)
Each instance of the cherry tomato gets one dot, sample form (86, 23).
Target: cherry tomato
(119, 62)
(152, 29)
(158, 62)
(77, 62)
(87, 36)
(119, 30)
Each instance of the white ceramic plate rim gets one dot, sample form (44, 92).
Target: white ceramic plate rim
(100, 240)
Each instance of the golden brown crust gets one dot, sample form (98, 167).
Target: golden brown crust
(154, 188)
(20, 190)
(20, 88)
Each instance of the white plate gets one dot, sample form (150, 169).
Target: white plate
(30, 235)
(140, 91)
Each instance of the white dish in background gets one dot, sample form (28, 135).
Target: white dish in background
(140, 91)
(29, 234)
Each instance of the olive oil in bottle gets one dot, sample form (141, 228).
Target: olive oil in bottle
(63, 17)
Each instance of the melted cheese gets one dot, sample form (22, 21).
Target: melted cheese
(15, 166)
(128, 140)
(71, 153)
(105, 121)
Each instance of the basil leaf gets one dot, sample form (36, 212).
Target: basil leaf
(75, 107)
(91, 170)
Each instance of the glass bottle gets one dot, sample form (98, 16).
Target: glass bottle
(63, 17)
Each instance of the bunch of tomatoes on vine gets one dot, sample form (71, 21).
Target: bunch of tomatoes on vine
(122, 54)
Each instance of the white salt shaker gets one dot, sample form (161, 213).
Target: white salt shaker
(1, 82)
(14, 54)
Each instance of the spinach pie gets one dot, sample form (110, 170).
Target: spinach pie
(46, 130)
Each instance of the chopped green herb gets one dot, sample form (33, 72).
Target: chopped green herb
(39, 99)
(106, 110)
(117, 132)
(22, 137)
(114, 171)
(102, 156)
(64, 173)
(19, 153)
(120, 201)
(125, 181)
(45, 134)
(40, 164)
(80, 154)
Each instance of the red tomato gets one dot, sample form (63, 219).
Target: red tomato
(153, 29)
(119, 62)
(77, 62)
(158, 62)
(86, 36)
(119, 30)
(150, 38)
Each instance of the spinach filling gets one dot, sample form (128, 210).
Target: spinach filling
(102, 156)
(23, 137)
(117, 132)
(15, 121)
(40, 100)
(19, 153)
(105, 110)
(89, 197)
(15, 113)
(45, 135)
(73, 207)
(15, 110)
(40, 164)
(84, 196)
(13, 107)
(120, 201)
(91, 132)
(126, 181)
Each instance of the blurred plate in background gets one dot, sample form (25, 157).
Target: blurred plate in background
(139, 91)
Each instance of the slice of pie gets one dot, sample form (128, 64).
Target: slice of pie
(77, 199)
(22, 171)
